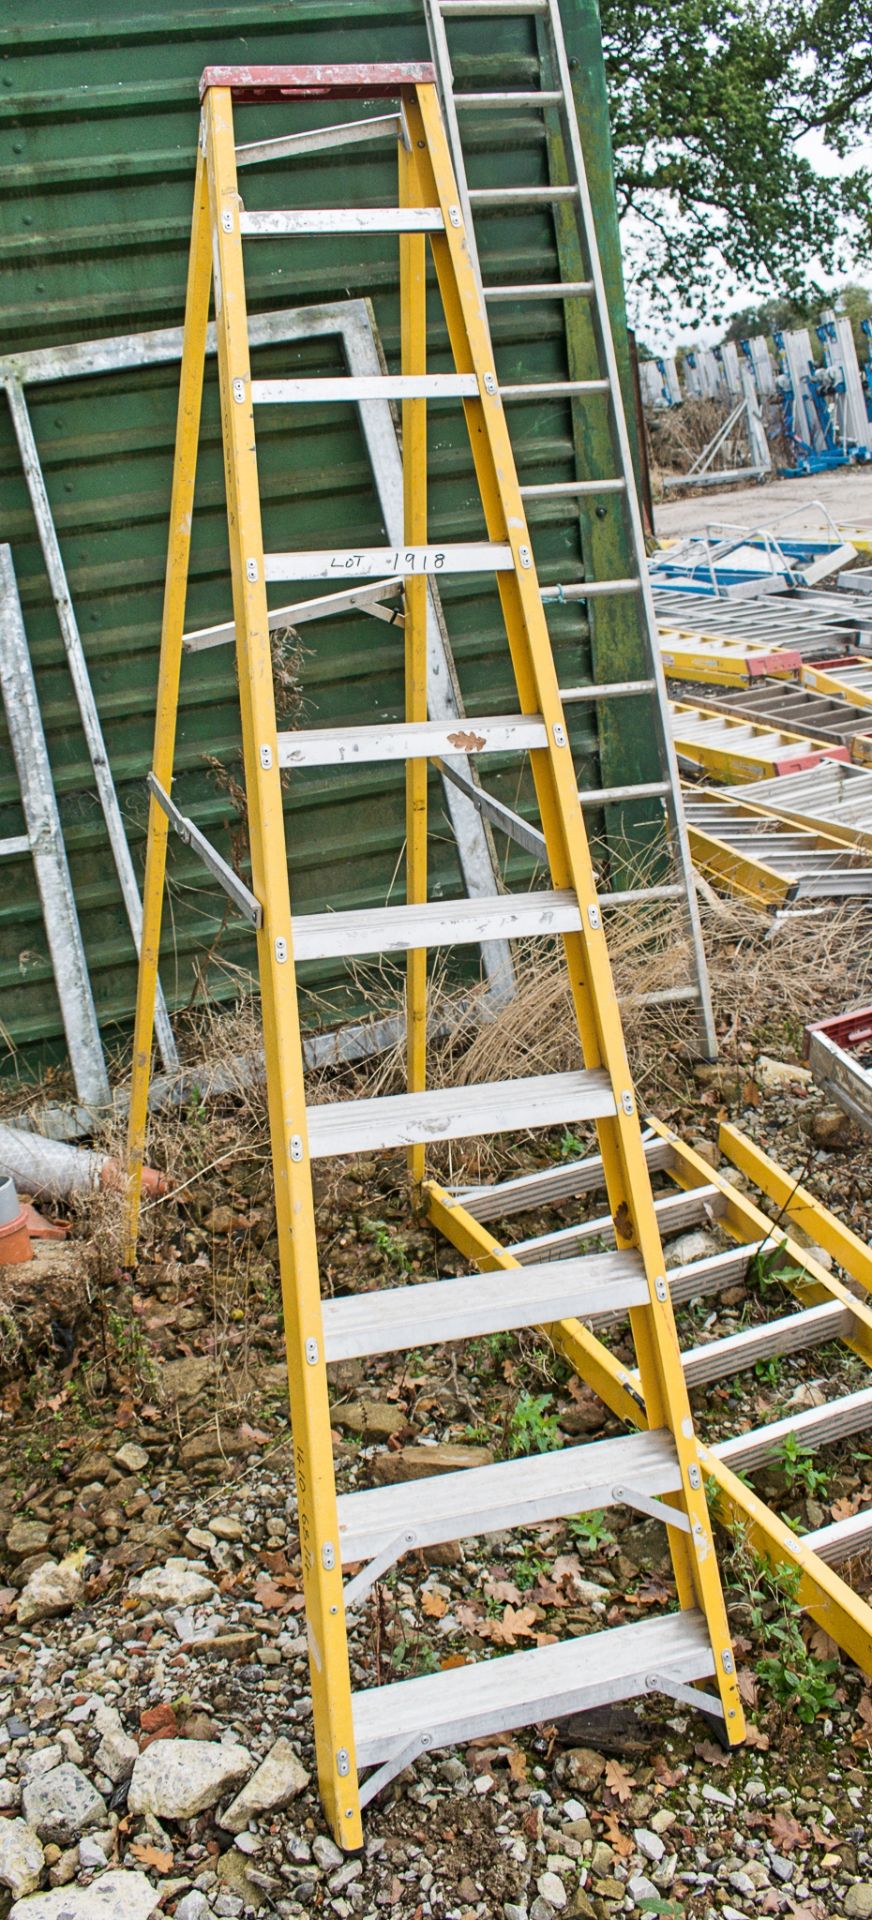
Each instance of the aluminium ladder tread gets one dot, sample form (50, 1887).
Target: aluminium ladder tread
(814, 1427)
(406, 740)
(457, 1113)
(429, 1312)
(542, 1684)
(435, 923)
(510, 1493)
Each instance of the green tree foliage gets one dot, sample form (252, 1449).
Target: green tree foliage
(708, 100)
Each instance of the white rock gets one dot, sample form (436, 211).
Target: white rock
(61, 1804)
(91, 1855)
(640, 1888)
(552, 1889)
(175, 1779)
(21, 1858)
(573, 1810)
(278, 1780)
(649, 1844)
(55, 1588)
(194, 1906)
(42, 1760)
(181, 1583)
(115, 1896)
(325, 1852)
(131, 1458)
(116, 1755)
(770, 1073)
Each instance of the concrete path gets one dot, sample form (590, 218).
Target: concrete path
(846, 495)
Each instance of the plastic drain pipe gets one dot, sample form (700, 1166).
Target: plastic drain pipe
(53, 1170)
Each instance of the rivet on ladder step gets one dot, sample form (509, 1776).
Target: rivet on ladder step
(525, 557)
(694, 1476)
(239, 389)
(281, 950)
(266, 758)
(627, 1101)
(328, 1556)
(454, 216)
(490, 383)
(296, 1147)
(343, 1764)
(312, 1353)
(559, 732)
(227, 220)
(660, 1288)
(593, 914)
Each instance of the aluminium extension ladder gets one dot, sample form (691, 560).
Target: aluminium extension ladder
(382, 1730)
(620, 609)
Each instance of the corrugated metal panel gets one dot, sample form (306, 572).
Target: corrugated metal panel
(98, 122)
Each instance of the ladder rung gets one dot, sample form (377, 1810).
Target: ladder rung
(456, 1113)
(543, 290)
(517, 98)
(522, 1689)
(387, 563)
(263, 225)
(607, 690)
(551, 1184)
(552, 389)
(604, 796)
(566, 489)
(410, 740)
(289, 146)
(674, 1211)
(841, 1539)
(513, 1493)
(791, 1334)
(19, 843)
(350, 389)
(479, 9)
(433, 1312)
(589, 590)
(333, 936)
(815, 1427)
(485, 197)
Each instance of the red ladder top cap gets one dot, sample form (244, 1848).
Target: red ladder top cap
(250, 84)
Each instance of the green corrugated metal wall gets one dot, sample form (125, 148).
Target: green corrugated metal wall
(98, 122)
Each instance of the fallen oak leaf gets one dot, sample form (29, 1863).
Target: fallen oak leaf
(616, 1839)
(152, 1857)
(433, 1605)
(619, 1781)
(516, 1624)
(754, 1737)
(787, 1832)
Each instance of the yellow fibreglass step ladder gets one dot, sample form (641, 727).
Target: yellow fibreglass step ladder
(379, 1731)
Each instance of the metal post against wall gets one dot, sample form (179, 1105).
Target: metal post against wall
(84, 692)
(44, 840)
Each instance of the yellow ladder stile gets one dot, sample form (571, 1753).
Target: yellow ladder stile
(384, 1729)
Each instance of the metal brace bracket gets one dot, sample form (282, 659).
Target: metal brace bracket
(658, 1509)
(190, 836)
(356, 1590)
(403, 1758)
(707, 1703)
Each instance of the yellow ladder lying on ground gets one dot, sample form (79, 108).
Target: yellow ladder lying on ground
(657, 1472)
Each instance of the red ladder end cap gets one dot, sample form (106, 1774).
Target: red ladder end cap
(250, 84)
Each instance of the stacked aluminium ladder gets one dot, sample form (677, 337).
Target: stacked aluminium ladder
(383, 1729)
(528, 34)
